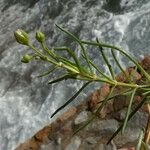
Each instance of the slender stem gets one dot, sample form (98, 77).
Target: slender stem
(130, 116)
(42, 55)
(100, 71)
(122, 51)
(139, 145)
(60, 64)
(80, 43)
(72, 54)
(147, 134)
(106, 60)
(129, 110)
(49, 52)
(120, 67)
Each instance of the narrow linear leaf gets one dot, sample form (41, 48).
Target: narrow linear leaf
(139, 144)
(79, 42)
(129, 110)
(145, 93)
(99, 71)
(112, 47)
(63, 77)
(49, 52)
(95, 113)
(48, 72)
(72, 54)
(126, 92)
(130, 116)
(119, 65)
(68, 62)
(106, 60)
(144, 146)
(84, 124)
(71, 99)
(105, 100)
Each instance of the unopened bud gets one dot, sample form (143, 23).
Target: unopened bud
(40, 36)
(21, 37)
(26, 58)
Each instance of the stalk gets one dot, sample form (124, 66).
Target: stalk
(122, 51)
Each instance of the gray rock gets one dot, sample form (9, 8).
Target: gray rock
(91, 140)
(83, 116)
(111, 146)
(74, 144)
(51, 146)
(103, 126)
(130, 136)
(136, 120)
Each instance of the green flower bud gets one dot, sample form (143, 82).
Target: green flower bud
(21, 37)
(26, 58)
(40, 36)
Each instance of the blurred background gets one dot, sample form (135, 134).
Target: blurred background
(26, 102)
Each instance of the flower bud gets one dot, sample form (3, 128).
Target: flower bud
(26, 58)
(40, 36)
(21, 37)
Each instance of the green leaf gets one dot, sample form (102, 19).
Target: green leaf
(50, 70)
(71, 99)
(119, 65)
(123, 52)
(144, 146)
(84, 124)
(79, 42)
(139, 144)
(100, 71)
(72, 54)
(130, 116)
(106, 60)
(126, 92)
(61, 78)
(95, 113)
(128, 110)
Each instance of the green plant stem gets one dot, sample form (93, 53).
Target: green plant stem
(100, 71)
(139, 144)
(71, 99)
(130, 116)
(71, 54)
(95, 114)
(60, 64)
(49, 52)
(122, 51)
(128, 110)
(80, 43)
(120, 67)
(106, 60)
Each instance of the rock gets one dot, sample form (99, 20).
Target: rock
(58, 135)
(91, 140)
(129, 137)
(83, 116)
(102, 127)
(136, 120)
(67, 115)
(145, 63)
(110, 146)
(88, 143)
(74, 144)
(51, 146)
(96, 97)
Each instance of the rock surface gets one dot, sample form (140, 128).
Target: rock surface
(59, 134)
